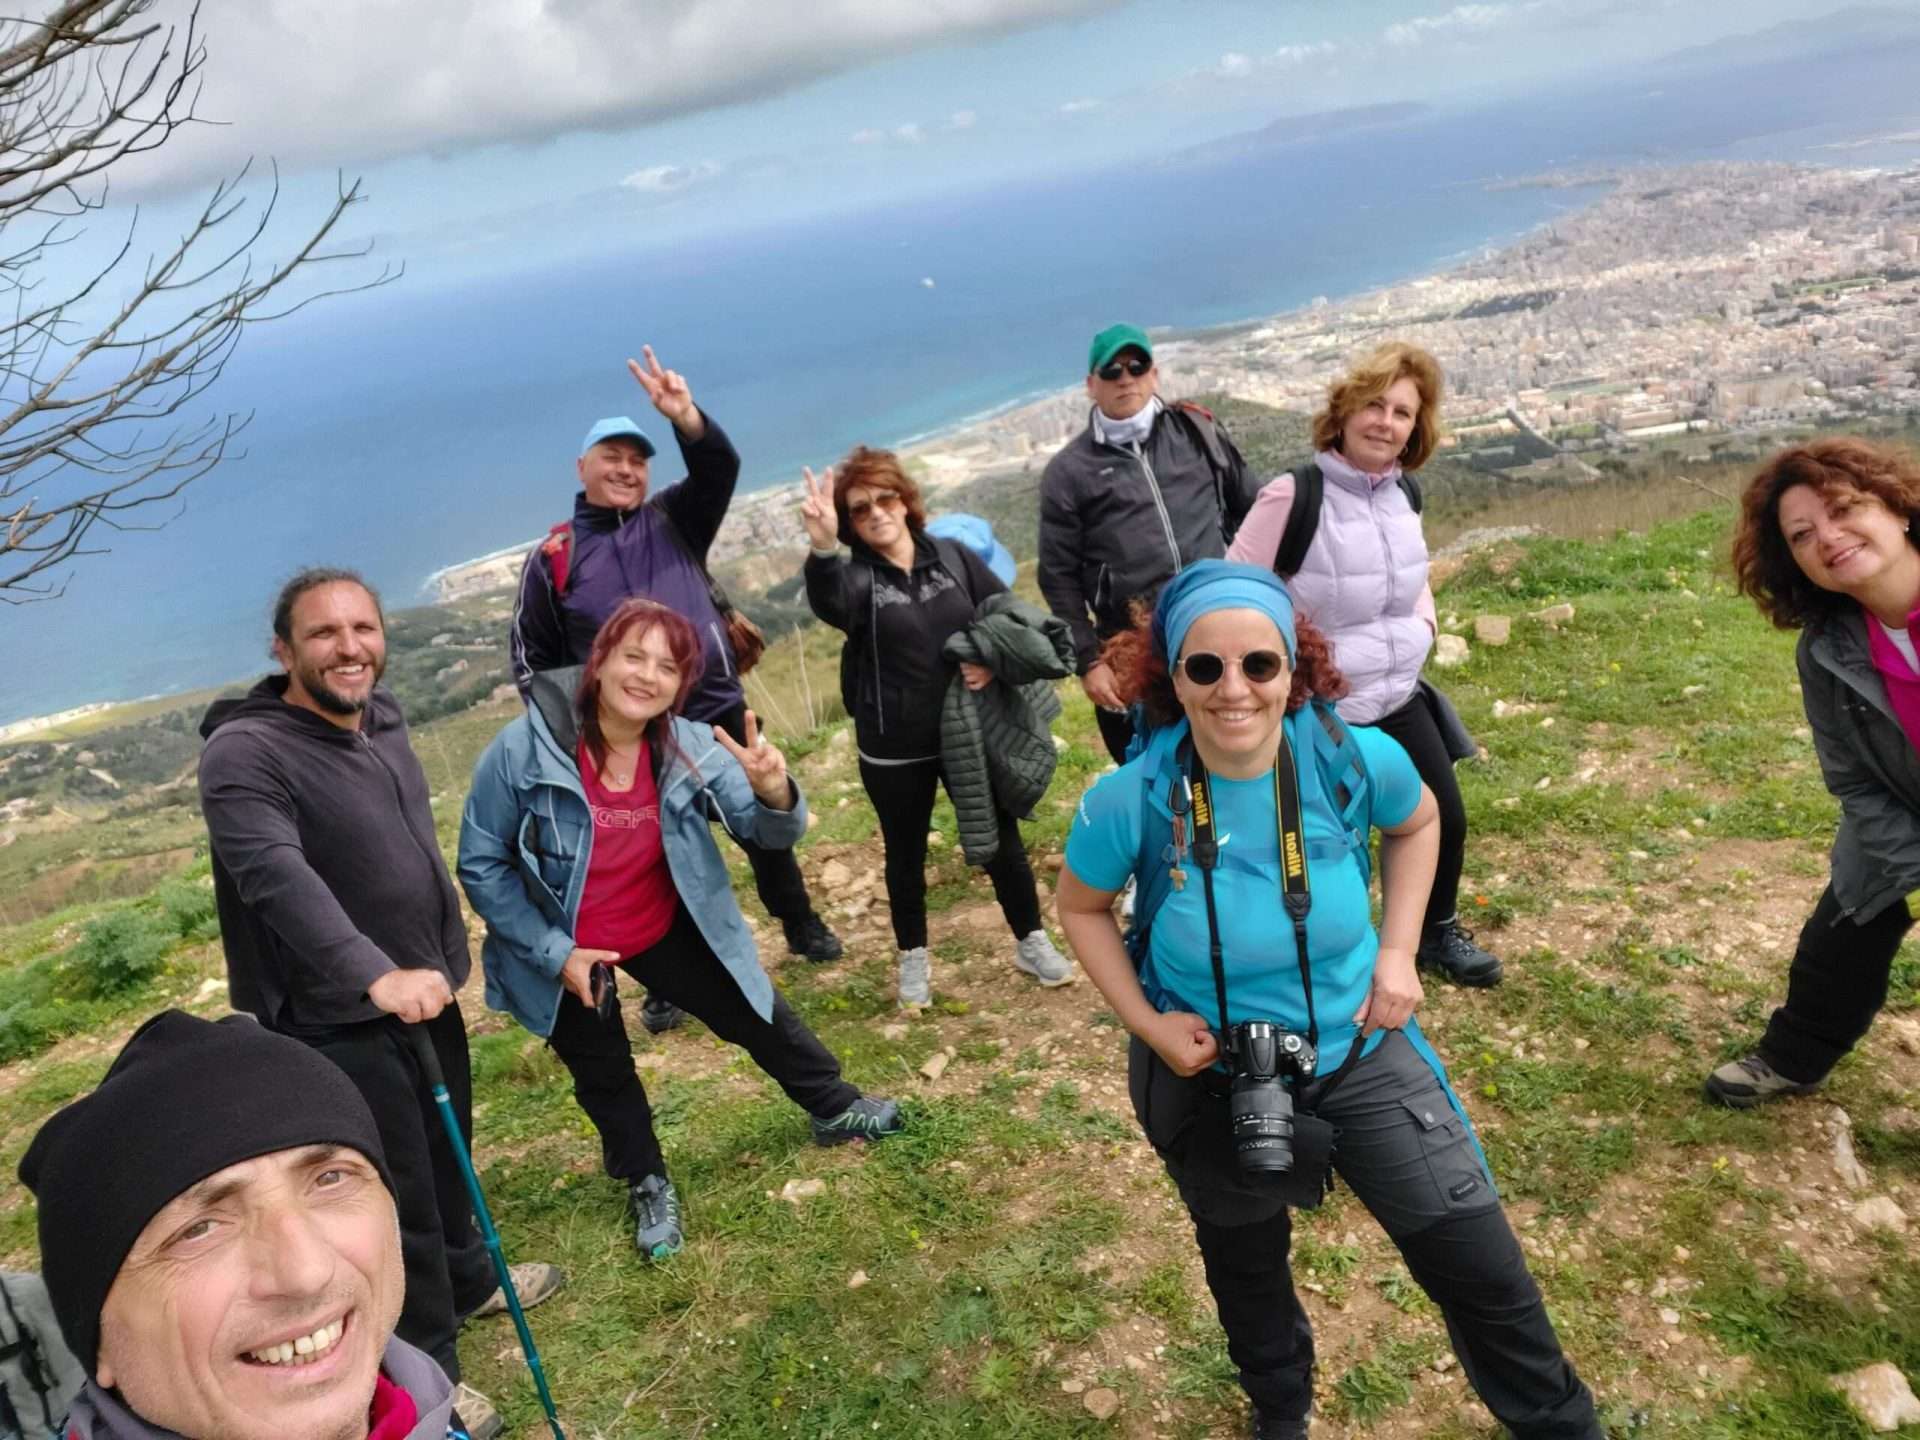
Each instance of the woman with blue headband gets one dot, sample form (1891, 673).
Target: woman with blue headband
(1273, 1029)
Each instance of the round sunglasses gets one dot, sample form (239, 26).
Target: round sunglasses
(1203, 667)
(890, 504)
(1135, 367)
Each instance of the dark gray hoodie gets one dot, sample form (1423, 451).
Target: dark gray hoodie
(325, 865)
(100, 1414)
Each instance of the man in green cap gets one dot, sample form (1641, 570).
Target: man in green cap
(1145, 490)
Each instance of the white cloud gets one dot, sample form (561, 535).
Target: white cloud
(1080, 106)
(1301, 54)
(1462, 19)
(910, 133)
(658, 179)
(963, 120)
(1234, 64)
(352, 82)
(867, 137)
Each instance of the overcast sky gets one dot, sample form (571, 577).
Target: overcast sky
(488, 128)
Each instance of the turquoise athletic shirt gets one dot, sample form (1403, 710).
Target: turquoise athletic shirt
(1263, 972)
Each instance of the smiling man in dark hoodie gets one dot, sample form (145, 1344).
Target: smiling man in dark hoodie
(341, 924)
(237, 1276)
(624, 542)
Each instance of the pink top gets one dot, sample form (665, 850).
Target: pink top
(629, 899)
(1903, 686)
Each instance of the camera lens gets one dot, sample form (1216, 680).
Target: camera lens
(1262, 1112)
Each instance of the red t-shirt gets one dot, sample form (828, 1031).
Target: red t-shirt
(629, 899)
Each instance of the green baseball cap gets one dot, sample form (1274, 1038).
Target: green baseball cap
(1112, 340)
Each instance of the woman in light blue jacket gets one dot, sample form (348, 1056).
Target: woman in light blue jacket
(587, 844)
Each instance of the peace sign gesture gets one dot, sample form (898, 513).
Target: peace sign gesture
(816, 511)
(668, 391)
(766, 767)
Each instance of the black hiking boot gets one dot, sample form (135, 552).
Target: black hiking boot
(811, 939)
(1449, 948)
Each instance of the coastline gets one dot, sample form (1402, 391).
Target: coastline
(951, 453)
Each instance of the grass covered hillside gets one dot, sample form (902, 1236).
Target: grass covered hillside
(1649, 831)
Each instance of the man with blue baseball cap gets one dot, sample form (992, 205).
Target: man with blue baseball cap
(622, 542)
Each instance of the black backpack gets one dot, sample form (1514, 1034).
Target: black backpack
(1303, 520)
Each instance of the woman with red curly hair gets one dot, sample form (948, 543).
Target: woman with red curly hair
(587, 846)
(1363, 581)
(1828, 543)
(1272, 1043)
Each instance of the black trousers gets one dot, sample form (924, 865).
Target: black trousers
(1415, 727)
(776, 874)
(902, 797)
(447, 1267)
(1410, 1159)
(1116, 728)
(1836, 986)
(683, 969)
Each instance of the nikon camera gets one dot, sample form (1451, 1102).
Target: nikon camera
(1267, 1059)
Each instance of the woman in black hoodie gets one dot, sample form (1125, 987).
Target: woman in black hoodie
(898, 598)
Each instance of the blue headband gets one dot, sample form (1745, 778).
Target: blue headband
(1209, 585)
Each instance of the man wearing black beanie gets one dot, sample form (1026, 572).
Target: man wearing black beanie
(219, 1239)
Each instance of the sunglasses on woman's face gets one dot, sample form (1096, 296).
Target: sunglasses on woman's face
(1114, 369)
(861, 509)
(1203, 667)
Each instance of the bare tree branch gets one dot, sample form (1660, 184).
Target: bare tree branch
(93, 399)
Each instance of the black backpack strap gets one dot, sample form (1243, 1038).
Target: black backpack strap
(1206, 430)
(1303, 520)
(1410, 487)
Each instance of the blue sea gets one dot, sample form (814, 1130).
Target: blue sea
(408, 429)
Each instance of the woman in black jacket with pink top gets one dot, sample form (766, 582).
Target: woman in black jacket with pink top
(898, 597)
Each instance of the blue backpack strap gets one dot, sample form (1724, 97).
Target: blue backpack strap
(1153, 879)
(1343, 780)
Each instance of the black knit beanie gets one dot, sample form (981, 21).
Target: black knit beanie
(186, 1098)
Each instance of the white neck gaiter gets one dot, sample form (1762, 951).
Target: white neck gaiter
(1131, 431)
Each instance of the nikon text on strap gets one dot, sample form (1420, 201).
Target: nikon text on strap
(1296, 889)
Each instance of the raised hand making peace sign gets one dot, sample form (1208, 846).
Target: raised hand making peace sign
(816, 511)
(668, 391)
(766, 767)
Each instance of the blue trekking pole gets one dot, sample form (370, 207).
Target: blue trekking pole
(443, 1102)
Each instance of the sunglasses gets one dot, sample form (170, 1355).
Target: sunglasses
(1259, 666)
(861, 509)
(1114, 369)
(602, 988)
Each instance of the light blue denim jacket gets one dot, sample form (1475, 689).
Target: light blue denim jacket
(526, 835)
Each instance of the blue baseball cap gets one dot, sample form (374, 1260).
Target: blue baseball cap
(617, 427)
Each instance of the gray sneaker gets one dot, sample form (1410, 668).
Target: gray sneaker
(655, 1207)
(533, 1282)
(1751, 1081)
(1036, 956)
(916, 977)
(476, 1412)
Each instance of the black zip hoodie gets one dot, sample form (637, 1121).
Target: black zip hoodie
(325, 866)
(892, 676)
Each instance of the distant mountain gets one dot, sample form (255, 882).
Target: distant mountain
(1300, 130)
(1856, 28)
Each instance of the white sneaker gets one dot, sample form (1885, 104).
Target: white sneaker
(1036, 956)
(916, 977)
(1126, 901)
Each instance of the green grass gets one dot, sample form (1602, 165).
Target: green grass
(1017, 1236)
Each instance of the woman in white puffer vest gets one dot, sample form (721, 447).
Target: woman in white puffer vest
(1363, 583)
